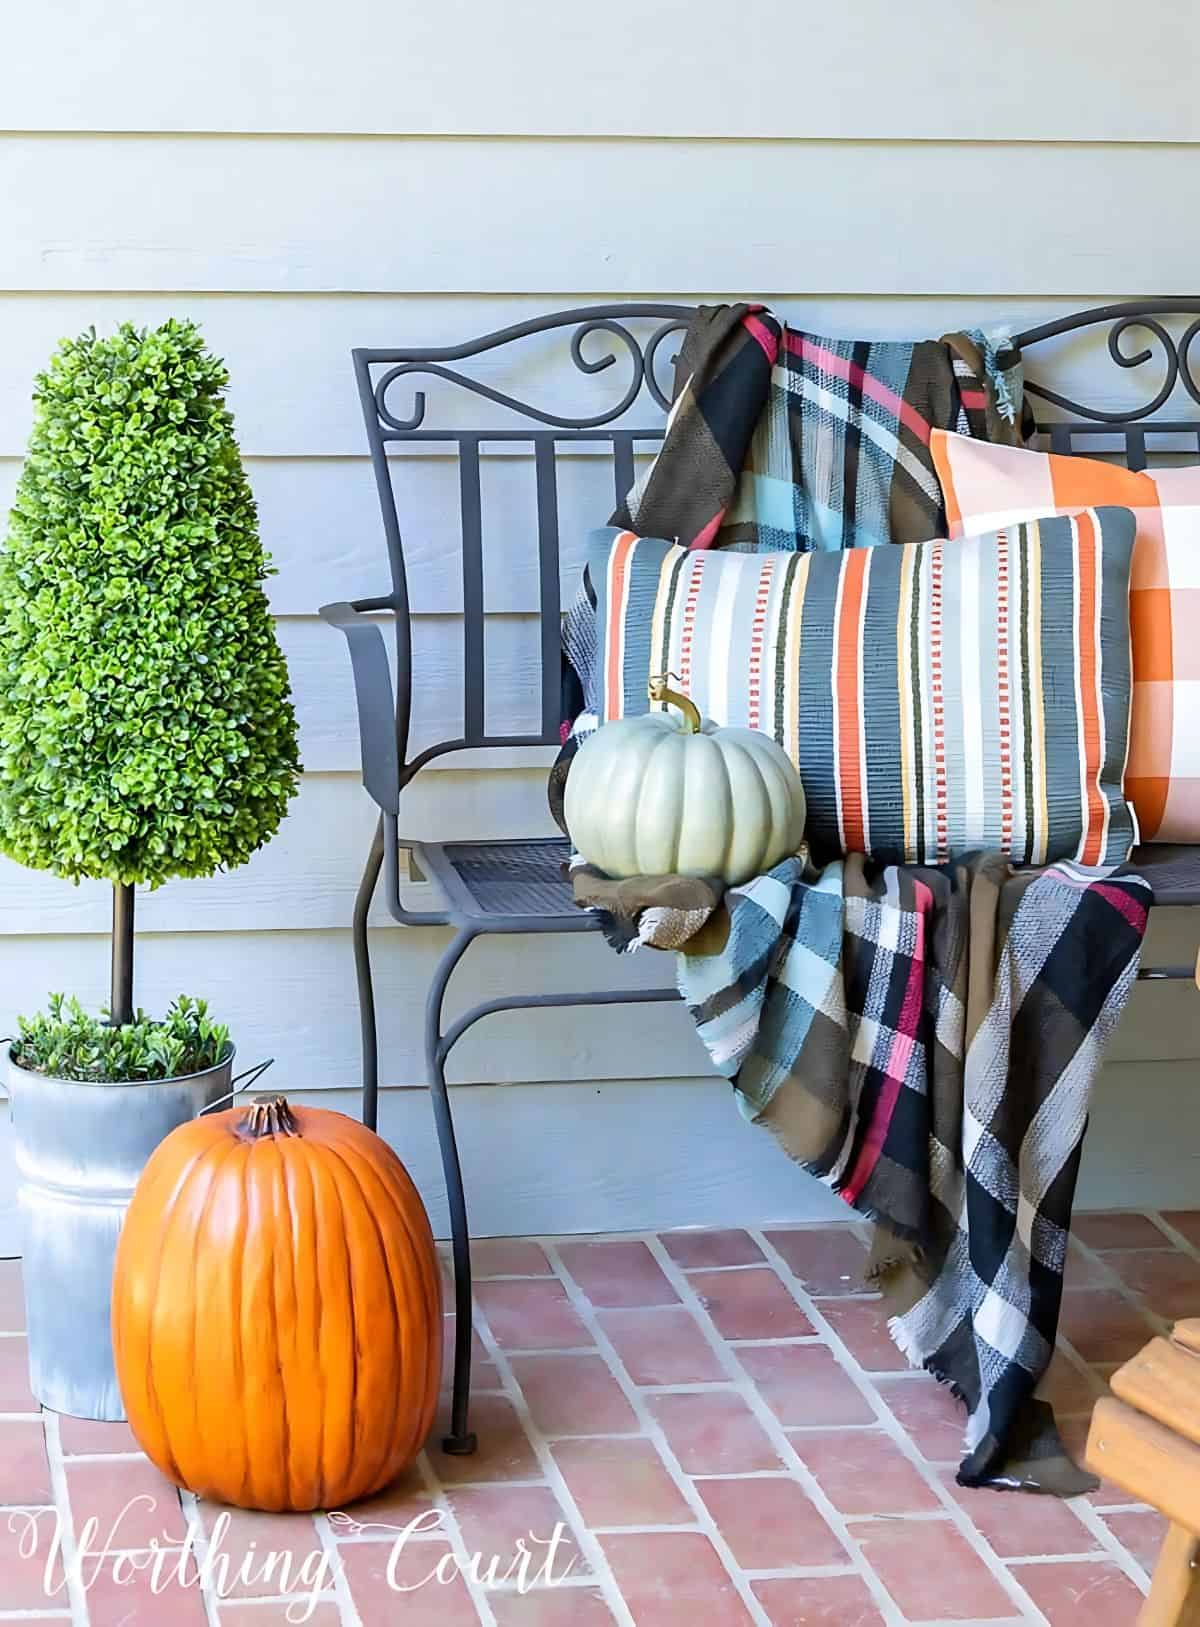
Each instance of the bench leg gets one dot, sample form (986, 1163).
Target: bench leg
(1175, 1588)
(366, 989)
(460, 1440)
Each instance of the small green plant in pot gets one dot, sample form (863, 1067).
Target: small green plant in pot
(67, 1042)
(146, 733)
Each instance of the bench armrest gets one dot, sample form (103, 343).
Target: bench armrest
(373, 696)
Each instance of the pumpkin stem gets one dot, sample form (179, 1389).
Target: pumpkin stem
(692, 721)
(273, 1118)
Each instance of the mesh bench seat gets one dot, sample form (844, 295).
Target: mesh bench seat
(523, 882)
(1173, 872)
(528, 880)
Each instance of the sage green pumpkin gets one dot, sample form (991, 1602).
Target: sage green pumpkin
(668, 794)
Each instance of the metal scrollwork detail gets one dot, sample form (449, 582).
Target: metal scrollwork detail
(1174, 354)
(1117, 333)
(386, 416)
(662, 397)
(1190, 383)
(432, 364)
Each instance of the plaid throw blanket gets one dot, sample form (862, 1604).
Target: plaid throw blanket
(785, 440)
(924, 1040)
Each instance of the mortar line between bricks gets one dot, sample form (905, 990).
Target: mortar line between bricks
(850, 1223)
(1176, 1238)
(148, 1553)
(1063, 1344)
(346, 1608)
(583, 1583)
(849, 1429)
(190, 1505)
(782, 1473)
(672, 1529)
(326, 1596)
(104, 1457)
(1116, 1284)
(685, 1482)
(76, 1597)
(913, 1516)
(480, 1277)
(773, 1344)
(1090, 1557)
(544, 1350)
(430, 1538)
(583, 1534)
(699, 1270)
(950, 1621)
(785, 1573)
(440, 1495)
(459, 1485)
(1066, 1349)
(1112, 1545)
(711, 1384)
(899, 1436)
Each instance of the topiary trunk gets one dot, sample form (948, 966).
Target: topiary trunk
(120, 1005)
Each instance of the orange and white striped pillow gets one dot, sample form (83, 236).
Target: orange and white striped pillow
(988, 487)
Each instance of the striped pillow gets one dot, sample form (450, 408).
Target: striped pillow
(936, 697)
(986, 486)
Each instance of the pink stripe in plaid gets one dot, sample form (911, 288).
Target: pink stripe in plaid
(704, 538)
(895, 1070)
(804, 347)
(1134, 912)
(762, 333)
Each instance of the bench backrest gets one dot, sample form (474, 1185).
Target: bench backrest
(635, 344)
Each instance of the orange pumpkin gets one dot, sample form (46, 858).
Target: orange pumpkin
(277, 1309)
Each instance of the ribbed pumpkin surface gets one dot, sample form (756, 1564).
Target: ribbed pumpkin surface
(277, 1310)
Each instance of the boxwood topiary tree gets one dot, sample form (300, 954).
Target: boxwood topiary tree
(146, 729)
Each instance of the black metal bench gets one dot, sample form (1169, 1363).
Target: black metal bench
(518, 886)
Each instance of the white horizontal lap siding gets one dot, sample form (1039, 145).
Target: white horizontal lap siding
(319, 214)
(529, 67)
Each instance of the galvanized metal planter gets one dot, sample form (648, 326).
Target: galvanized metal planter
(80, 1149)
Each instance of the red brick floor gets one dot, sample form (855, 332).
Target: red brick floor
(698, 1429)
